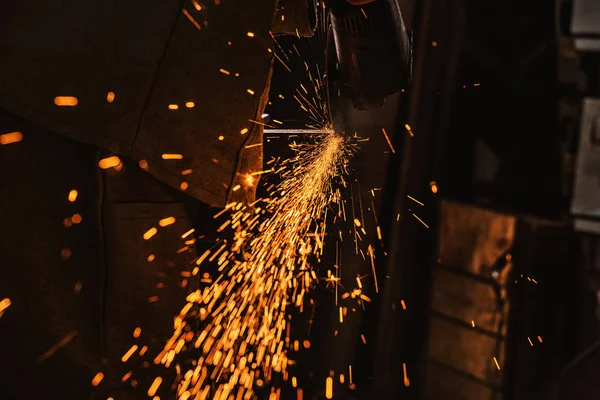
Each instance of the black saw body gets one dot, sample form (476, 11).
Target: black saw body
(369, 54)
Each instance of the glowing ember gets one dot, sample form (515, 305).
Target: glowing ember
(172, 157)
(72, 196)
(66, 101)
(109, 162)
(13, 137)
(167, 221)
(4, 304)
(97, 379)
(151, 232)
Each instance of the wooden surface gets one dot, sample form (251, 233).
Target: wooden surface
(472, 238)
(466, 299)
(469, 309)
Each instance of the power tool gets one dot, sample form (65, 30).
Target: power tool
(368, 55)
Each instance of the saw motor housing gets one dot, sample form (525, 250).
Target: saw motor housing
(369, 52)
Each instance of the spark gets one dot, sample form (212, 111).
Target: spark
(109, 162)
(172, 156)
(4, 304)
(97, 379)
(406, 380)
(497, 365)
(388, 140)
(66, 101)
(65, 253)
(329, 388)
(151, 232)
(110, 97)
(415, 200)
(420, 220)
(137, 332)
(72, 196)
(155, 385)
(188, 233)
(372, 256)
(434, 187)
(261, 123)
(166, 221)
(129, 353)
(283, 63)
(244, 341)
(192, 20)
(12, 137)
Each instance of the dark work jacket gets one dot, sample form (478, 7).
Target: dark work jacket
(212, 64)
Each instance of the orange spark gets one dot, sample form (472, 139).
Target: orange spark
(12, 137)
(97, 379)
(166, 221)
(65, 101)
(151, 232)
(388, 141)
(109, 162)
(72, 196)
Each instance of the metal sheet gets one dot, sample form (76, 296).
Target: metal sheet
(586, 196)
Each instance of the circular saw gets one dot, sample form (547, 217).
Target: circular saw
(368, 54)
